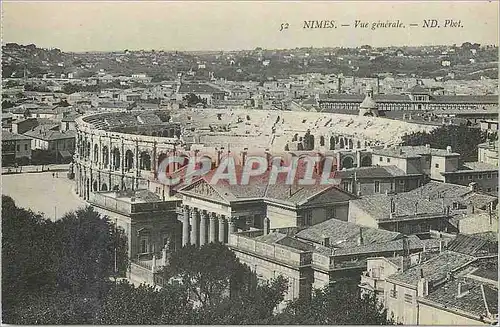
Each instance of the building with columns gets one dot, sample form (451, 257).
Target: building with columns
(211, 212)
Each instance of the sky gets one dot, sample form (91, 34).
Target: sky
(230, 25)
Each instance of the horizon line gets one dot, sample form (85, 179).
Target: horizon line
(241, 50)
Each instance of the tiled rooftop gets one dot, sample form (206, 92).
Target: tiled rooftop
(472, 299)
(434, 269)
(343, 234)
(9, 136)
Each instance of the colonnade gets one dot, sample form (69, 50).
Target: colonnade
(200, 227)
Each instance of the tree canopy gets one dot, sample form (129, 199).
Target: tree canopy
(61, 273)
(462, 139)
(337, 304)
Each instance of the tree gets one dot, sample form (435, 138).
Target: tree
(462, 139)
(207, 272)
(145, 305)
(87, 243)
(6, 104)
(56, 272)
(337, 304)
(192, 100)
(226, 290)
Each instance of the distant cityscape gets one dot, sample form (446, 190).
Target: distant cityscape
(410, 218)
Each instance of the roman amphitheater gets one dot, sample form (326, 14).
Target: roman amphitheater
(121, 150)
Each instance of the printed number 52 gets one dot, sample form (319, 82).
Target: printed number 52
(284, 26)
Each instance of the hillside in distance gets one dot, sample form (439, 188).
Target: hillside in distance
(466, 61)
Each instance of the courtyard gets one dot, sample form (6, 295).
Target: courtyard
(41, 192)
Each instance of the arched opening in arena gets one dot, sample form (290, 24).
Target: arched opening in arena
(322, 140)
(105, 156)
(129, 160)
(184, 161)
(81, 147)
(332, 142)
(341, 143)
(116, 159)
(366, 161)
(104, 187)
(96, 153)
(358, 144)
(116, 188)
(95, 187)
(350, 143)
(206, 160)
(145, 161)
(87, 149)
(347, 162)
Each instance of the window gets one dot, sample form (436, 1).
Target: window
(376, 272)
(381, 159)
(18, 148)
(408, 298)
(470, 177)
(436, 165)
(489, 189)
(388, 159)
(144, 245)
(331, 213)
(393, 293)
(401, 182)
(488, 176)
(26, 147)
(460, 177)
(346, 186)
(308, 218)
(377, 187)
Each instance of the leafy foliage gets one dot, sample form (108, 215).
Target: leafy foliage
(129, 305)
(59, 273)
(338, 304)
(192, 100)
(462, 139)
(56, 272)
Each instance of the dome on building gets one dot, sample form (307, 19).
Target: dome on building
(368, 103)
(368, 107)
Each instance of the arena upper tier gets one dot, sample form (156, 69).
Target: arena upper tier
(121, 150)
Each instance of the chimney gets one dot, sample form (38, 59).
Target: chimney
(393, 208)
(244, 156)
(422, 285)
(360, 237)
(490, 212)
(268, 159)
(267, 224)
(339, 85)
(448, 149)
(326, 241)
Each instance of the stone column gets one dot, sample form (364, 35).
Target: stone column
(203, 228)
(185, 226)
(194, 226)
(211, 237)
(222, 229)
(232, 226)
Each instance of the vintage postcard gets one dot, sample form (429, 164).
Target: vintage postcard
(250, 162)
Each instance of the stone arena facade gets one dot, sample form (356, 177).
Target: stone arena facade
(121, 150)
